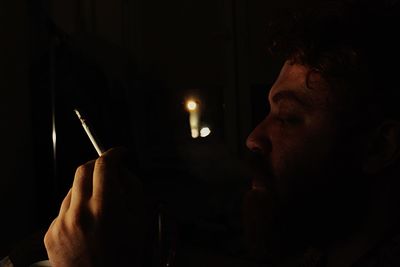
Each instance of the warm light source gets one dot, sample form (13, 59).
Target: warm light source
(193, 108)
(195, 133)
(191, 105)
(205, 131)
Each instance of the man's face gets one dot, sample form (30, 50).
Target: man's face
(301, 161)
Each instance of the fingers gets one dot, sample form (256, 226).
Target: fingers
(105, 170)
(82, 185)
(96, 214)
(93, 181)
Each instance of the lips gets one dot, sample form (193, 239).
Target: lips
(258, 183)
(259, 172)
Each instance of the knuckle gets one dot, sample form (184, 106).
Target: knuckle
(48, 239)
(52, 234)
(79, 219)
(82, 170)
(75, 217)
(96, 207)
(85, 169)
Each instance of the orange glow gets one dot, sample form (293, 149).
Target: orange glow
(191, 105)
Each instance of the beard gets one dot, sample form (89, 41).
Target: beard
(306, 205)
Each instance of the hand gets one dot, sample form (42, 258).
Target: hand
(101, 220)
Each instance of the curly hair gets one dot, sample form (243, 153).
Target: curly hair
(352, 44)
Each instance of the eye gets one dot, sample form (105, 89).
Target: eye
(288, 119)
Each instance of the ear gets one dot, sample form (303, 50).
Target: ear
(383, 147)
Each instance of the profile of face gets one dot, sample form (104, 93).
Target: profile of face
(301, 184)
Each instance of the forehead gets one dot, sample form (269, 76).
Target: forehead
(301, 80)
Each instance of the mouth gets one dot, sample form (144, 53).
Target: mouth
(258, 184)
(260, 175)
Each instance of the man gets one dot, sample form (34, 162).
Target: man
(325, 189)
(329, 146)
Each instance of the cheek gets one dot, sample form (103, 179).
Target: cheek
(287, 148)
(301, 152)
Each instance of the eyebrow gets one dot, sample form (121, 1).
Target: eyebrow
(292, 96)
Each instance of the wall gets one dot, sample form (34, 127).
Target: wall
(17, 188)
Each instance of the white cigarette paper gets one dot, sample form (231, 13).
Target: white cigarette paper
(88, 131)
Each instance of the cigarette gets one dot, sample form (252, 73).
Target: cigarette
(99, 149)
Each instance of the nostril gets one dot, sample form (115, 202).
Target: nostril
(257, 150)
(252, 145)
(259, 144)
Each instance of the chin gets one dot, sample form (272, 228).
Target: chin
(273, 227)
(259, 221)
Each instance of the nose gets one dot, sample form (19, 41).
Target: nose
(259, 141)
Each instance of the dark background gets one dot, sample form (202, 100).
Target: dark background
(130, 65)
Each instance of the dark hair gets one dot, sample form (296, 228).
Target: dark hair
(352, 44)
